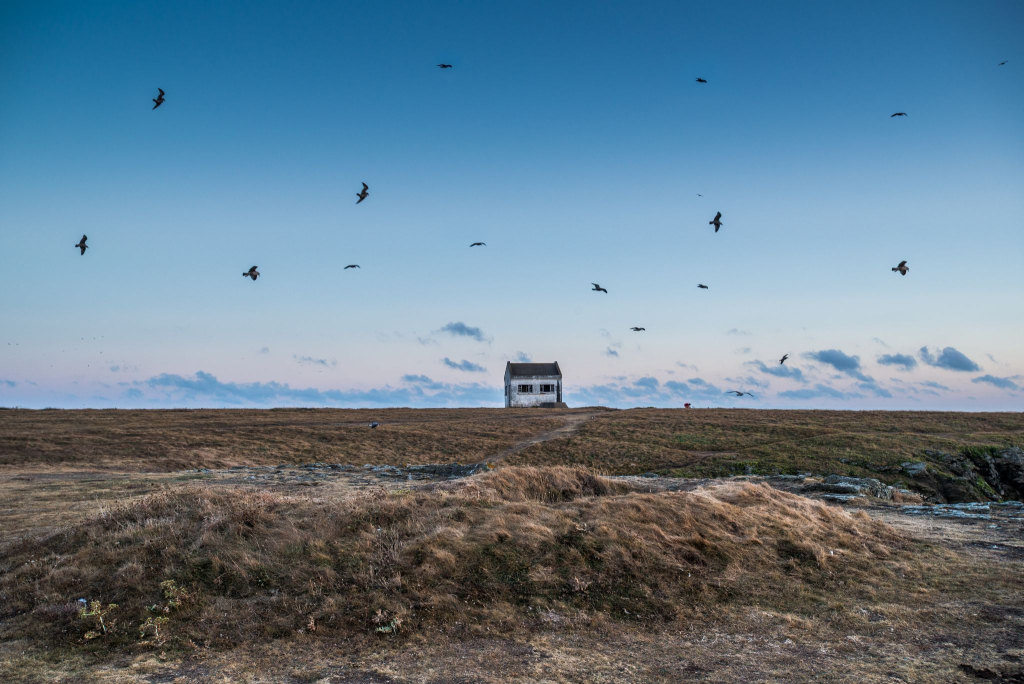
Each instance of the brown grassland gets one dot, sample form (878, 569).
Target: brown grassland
(541, 568)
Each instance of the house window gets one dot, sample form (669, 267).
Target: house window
(526, 389)
(547, 388)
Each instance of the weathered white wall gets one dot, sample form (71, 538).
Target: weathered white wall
(517, 400)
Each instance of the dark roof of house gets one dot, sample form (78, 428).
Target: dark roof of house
(529, 370)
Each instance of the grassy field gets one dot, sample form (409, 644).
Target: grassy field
(710, 443)
(696, 443)
(538, 569)
(176, 440)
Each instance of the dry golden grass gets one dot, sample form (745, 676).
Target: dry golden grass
(491, 555)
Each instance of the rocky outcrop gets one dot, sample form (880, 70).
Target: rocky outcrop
(978, 474)
(842, 488)
(1009, 463)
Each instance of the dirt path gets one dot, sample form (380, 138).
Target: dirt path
(572, 424)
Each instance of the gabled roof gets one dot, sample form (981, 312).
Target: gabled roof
(529, 370)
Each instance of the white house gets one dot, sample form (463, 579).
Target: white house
(533, 384)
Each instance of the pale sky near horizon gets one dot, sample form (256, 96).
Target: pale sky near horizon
(573, 140)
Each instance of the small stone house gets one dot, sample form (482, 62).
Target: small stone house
(533, 384)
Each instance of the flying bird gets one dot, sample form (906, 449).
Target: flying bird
(702, 286)
(479, 244)
(699, 195)
(374, 424)
(701, 80)
(351, 266)
(1001, 63)
(783, 359)
(739, 394)
(362, 195)
(716, 222)
(252, 273)
(902, 268)
(445, 66)
(598, 288)
(899, 114)
(636, 329)
(81, 244)
(159, 99)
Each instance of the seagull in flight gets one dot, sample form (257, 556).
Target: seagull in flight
(81, 244)
(598, 288)
(701, 80)
(740, 394)
(902, 268)
(252, 273)
(374, 424)
(159, 99)
(1001, 63)
(351, 266)
(899, 114)
(444, 66)
(636, 329)
(362, 195)
(716, 222)
(783, 359)
(479, 244)
(702, 286)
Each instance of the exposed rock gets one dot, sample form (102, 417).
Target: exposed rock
(449, 471)
(982, 510)
(976, 474)
(914, 468)
(1009, 463)
(852, 487)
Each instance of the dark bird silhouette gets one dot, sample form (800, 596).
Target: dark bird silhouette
(699, 195)
(740, 394)
(362, 195)
(374, 424)
(636, 329)
(479, 244)
(702, 286)
(902, 268)
(81, 244)
(1001, 63)
(899, 114)
(252, 273)
(783, 359)
(598, 288)
(159, 99)
(445, 66)
(716, 222)
(351, 266)
(701, 80)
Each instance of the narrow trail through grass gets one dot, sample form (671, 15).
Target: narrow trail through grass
(572, 425)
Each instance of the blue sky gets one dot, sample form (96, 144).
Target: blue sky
(573, 140)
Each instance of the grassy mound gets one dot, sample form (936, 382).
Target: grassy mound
(506, 551)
